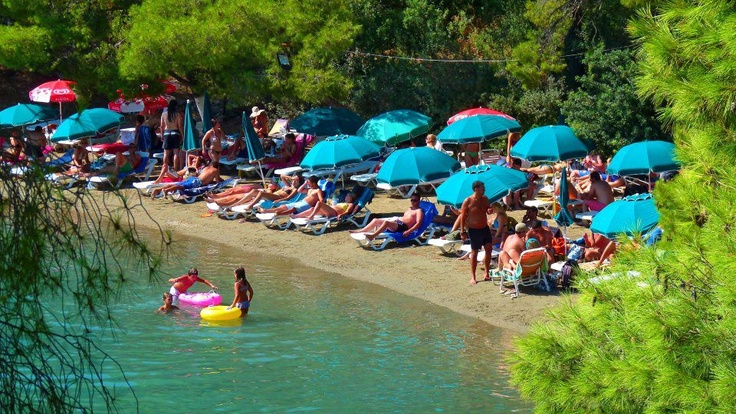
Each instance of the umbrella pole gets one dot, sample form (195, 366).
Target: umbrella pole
(61, 116)
(260, 172)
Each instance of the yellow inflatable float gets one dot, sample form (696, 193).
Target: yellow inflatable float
(219, 313)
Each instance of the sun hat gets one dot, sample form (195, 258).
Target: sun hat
(521, 228)
(255, 112)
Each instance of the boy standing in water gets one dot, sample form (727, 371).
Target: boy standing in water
(167, 307)
(182, 283)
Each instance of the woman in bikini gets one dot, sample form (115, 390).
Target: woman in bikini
(243, 292)
(172, 124)
(15, 153)
(212, 142)
(472, 154)
(125, 164)
(80, 159)
(338, 210)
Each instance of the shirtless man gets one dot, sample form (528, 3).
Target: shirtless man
(512, 247)
(474, 224)
(599, 195)
(182, 283)
(208, 175)
(406, 224)
(314, 195)
(544, 235)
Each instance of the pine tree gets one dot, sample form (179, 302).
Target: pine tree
(664, 340)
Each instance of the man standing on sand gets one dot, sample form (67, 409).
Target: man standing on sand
(474, 224)
(512, 247)
(410, 221)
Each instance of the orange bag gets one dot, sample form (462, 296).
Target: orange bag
(558, 243)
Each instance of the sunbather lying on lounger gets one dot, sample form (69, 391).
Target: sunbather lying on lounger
(208, 175)
(410, 221)
(271, 193)
(338, 210)
(314, 195)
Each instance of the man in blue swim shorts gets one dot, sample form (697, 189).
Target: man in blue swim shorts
(208, 175)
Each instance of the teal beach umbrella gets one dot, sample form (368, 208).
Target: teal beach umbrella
(191, 139)
(25, 114)
(644, 157)
(206, 113)
(630, 215)
(416, 165)
(394, 127)
(549, 143)
(478, 129)
(563, 217)
(253, 145)
(87, 123)
(497, 180)
(327, 121)
(338, 151)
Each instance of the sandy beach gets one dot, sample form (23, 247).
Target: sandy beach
(419, 271)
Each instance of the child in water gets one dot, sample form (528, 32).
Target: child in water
(167, 307)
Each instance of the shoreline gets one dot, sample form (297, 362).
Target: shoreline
(422, 272)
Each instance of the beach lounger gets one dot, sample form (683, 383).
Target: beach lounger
(530, 271)
(465, 248)
(144, 168)
(586, 216)
(449, 247)
(405, 191)
(193, 194)
(320, 224)
(283, 222)
(382, 240)
(302, 140)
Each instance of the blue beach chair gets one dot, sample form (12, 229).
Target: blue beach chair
(424, 231)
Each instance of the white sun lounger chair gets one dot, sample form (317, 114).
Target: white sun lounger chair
(425, 231)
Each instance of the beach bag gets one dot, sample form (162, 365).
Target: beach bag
(453, 235)
(568, 270)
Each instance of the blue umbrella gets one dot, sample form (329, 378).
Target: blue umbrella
(497, 180)
(191, 139)
(478, 129)
(549, 143)
(416, 165)
(563, 217)
(644, 157)
(87, 123)
(327, 122)
(630, 215)
(393, 127)
(253, 145)
(338, 151)
(25, 113)
(206, 113)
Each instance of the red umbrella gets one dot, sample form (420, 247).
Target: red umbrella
(126, 107)
(54, 91)
(155, 103)
(477, 111)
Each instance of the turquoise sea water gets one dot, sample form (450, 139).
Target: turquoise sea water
(312, 342)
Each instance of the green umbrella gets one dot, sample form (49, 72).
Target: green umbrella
(253, 145)
(563, 217)
(630, 215)
(206, 113)
(644, 157)
(327, 121)
(549, 143)
(26, 113)
(191, 141)
(497, 180)
(87, 123)
(339, 151)
(478, 128)
(393, 127)
(416, 165)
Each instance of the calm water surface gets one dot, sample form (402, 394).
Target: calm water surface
(312, 342)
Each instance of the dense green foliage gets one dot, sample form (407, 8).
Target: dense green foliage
(72, 247)
(662, 341)
(530, 58)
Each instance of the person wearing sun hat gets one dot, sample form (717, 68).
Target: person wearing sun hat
(259, 121)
